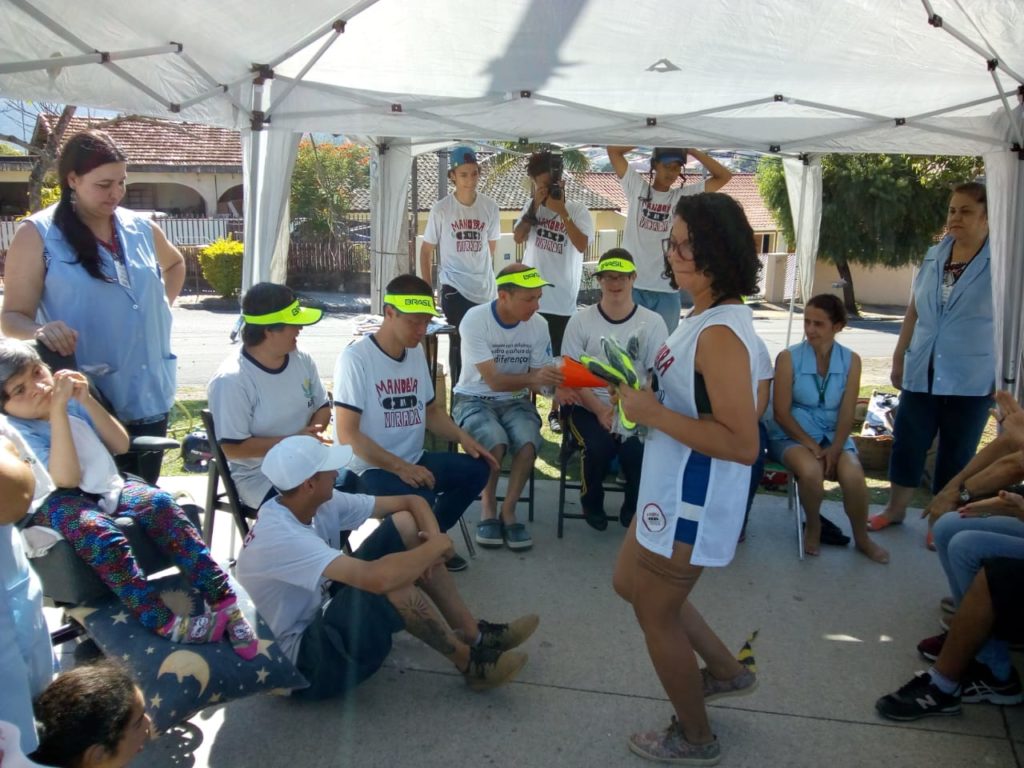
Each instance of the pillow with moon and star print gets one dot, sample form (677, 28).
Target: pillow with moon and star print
(178, 680)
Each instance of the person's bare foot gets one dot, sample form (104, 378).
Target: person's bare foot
(874, 551)
(812, 537)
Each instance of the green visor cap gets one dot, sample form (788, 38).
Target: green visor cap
(529, 278)
(412, 305)
(293, 314)
(615, 265)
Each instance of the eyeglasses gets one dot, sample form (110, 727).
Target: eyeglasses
(684, 249)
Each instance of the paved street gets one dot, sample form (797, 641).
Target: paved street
(201, 338)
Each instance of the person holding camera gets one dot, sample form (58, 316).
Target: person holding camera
(464, 227)
(651, 202)
(556, 232)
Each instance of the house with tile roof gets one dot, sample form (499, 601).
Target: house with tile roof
(181, 169)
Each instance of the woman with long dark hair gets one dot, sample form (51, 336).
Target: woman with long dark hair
(89, 278)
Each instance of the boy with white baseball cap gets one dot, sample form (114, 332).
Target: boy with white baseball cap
(334, 614)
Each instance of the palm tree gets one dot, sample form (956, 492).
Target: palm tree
(510, 155)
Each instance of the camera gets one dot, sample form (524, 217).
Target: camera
(555, 184)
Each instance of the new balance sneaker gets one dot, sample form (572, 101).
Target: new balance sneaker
(980, 686)
(745, 682)
(456, 563)
(505, 637)
(931, 647)
(671, 746)
(489, 667)
(918, 698)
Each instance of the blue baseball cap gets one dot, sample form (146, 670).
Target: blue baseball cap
(461, 156)
(668, 155)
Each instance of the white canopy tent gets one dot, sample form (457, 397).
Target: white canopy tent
(797, 78)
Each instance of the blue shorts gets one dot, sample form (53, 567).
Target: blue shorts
(514, 423)
(668, 305)
(351, 636)
(776, 448)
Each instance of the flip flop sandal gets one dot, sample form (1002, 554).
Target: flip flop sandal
(880, 522)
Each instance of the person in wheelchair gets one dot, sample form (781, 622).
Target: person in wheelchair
(590, 420)
(74, 436)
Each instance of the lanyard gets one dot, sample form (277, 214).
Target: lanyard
(821, 387)
(114, 246)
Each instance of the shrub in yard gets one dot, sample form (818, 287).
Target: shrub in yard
(221, 262)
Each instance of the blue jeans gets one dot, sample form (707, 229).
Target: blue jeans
(962, 544)
(668, 305)
(458, 480)
(958, 420)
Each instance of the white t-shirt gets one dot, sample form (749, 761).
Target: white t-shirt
(648, 222)
(390, 395)
(586, 328)
(282, 563)
(549, 249)
(763, 367)
(462, 234)
(44, 485)
(513, 348)
(249, 400)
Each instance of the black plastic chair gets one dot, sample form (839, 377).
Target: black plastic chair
(218, 474)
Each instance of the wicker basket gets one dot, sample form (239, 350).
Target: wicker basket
(873, 451)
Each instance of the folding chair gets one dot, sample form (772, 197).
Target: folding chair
(569, 449)
(219, 474)
(792, 500)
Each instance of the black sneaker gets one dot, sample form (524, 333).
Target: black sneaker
(505, 637)
(489, 667)
(554, 423)
(456, 563)
(918, 698)
(596, 519)
(981, 686)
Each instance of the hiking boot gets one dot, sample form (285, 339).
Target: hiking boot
(596, 519)
(489, 534)
(517, 537)
(980, 686)
(505, 637)
(931, 647)
(489, 668)
(456, 563)
(671, 746)
(745, 682)
(918, 698)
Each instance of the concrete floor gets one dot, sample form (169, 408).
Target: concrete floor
(835, 633)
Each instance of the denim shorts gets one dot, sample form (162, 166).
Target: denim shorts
(514, 423)
(777, 448)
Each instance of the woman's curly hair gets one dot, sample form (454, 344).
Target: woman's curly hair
(722, 241)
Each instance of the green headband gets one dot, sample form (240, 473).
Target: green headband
(528, 278)
(615, 264)
(293, 314)
(411, 304)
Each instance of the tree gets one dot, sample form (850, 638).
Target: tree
(510, 162)
(45, 154)
(323, 181)
(883, 210)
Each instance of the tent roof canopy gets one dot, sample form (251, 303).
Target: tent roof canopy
(816, 76)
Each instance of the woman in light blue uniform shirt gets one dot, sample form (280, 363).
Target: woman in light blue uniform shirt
(89, 278)
(816, 386)
(944, 361)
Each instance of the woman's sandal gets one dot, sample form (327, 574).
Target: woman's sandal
(879, 522)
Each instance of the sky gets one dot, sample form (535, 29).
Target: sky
(11, 119)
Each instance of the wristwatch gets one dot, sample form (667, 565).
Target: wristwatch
(965, 495)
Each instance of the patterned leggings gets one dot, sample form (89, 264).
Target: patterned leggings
(100, 543)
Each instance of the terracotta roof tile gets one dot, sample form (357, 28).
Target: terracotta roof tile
(159, 142)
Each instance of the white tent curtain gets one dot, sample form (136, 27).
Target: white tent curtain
(390, 172)
(1004, 175)
(803, 186)
(269, 157)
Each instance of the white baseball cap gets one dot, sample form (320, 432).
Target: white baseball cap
(295, 459)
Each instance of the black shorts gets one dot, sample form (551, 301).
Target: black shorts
(1005, 577)
(351, 636)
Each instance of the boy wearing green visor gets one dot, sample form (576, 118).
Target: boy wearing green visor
(268, 390)
(506, 353)
(384, 403)
(591, 419)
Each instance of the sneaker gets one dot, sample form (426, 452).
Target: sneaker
(918, 698)
(671, 746)
(931, 647)
(980, 686)
(505, 637)
(517, 537)
(745, 682)
(626, 516)
(944, 623)
(947, 605)
(456, 563)
(489, 668)
(596, 519)
(488, 533)
(554, 423)
(204, 628)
